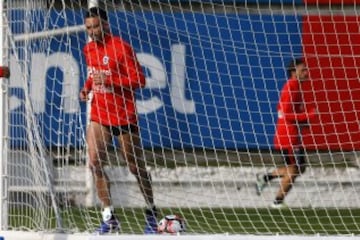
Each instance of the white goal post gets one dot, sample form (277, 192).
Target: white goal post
(207, 116)
(3, 105)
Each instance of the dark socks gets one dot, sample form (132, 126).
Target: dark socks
(278, 200)
(268, 177)
(151, 211)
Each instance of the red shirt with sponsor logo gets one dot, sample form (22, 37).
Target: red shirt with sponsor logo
(113, 102)
(291, 115)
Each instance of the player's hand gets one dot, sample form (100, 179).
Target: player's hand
(311, 115)
(6, 72)
(99, 78)
(84, 95)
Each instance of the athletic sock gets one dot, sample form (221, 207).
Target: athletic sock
(107, 213)
(268, 177)
(278, 200)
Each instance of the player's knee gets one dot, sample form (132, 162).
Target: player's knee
(293, 171)
(94, 157)
(96, 169)
(134, 169)
(297, 170)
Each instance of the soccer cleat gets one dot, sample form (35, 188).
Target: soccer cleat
(151, 221)
(282, 205)
(110, 226)
(260, 183)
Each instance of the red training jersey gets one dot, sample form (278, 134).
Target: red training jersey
(2, 72)
(113, 102)
(291, 114)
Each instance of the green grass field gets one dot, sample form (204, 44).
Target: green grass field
(217, 220)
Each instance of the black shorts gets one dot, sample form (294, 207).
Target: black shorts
(294, 157)
(123, 129)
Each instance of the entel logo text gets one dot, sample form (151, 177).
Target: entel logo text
(157, 79)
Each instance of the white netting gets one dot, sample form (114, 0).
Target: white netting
(214, 71)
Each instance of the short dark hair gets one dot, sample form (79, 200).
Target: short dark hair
(97, 12)
(293, 64)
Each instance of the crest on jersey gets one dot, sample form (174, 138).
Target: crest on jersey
(105, 60)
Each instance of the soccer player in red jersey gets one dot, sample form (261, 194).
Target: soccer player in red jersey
(292, 117)
(4, 72)
(113, 75)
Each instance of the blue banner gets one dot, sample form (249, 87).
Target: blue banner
(212, 80)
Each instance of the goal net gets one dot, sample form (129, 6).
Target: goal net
(207, 115)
